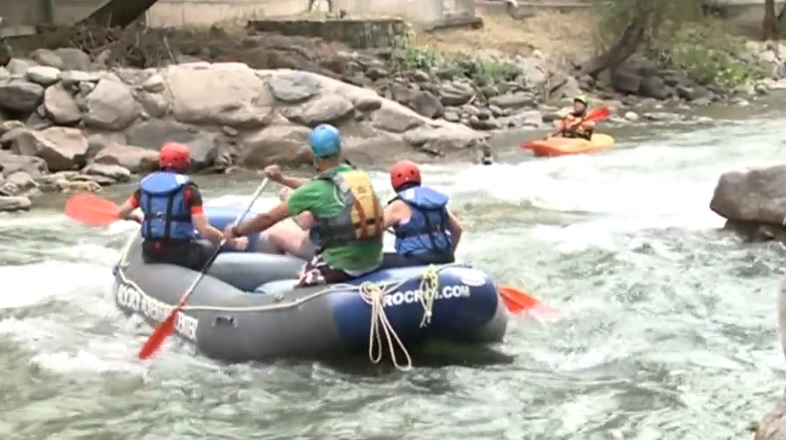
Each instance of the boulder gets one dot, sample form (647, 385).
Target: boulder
(11, 163)
(111, 106)
(20, 96)
(219, 94)
(62, 148)
(274, 144)
(753, 195)
(60, 106)
(134, 159)
(14, 203)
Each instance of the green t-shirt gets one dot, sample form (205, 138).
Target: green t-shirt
(322, 199)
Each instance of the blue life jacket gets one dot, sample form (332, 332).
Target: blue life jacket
(427, 229)
(167, 215)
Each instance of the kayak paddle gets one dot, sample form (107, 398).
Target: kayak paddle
(167, 327)
(517, 301)
(91, 210)
(595, 115)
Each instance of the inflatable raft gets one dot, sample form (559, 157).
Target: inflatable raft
(560, 146)
(247, 308)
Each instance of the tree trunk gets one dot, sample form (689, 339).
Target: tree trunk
(117, 13)
(769, 25)
(781, 16)
(626, 46)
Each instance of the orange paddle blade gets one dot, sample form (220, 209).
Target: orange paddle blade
(598, 114)
(160, 333)
(91, 210)
(517, 301)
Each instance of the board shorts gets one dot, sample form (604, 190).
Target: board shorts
(318, 272)
(194, 254)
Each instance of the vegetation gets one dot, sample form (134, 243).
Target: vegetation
(679, 34)
(481, 71)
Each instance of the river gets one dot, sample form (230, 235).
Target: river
(666, 326)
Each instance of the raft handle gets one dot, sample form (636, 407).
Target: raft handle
(224, 320)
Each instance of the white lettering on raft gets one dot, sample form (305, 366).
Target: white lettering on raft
(413, 296)
(131, 298)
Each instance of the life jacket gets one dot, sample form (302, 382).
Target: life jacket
(360, 220)
(572, 128)
(162, 200)
(427, 228)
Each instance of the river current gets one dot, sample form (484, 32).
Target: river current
(666, 326)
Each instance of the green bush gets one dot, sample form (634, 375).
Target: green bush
(482, 71)
(680, 38)
(710, 56)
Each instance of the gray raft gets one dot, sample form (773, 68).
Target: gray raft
(246, 308)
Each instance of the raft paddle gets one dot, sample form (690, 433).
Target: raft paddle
(595, 115)
(517, 301)
(91, 210)
(167, 327)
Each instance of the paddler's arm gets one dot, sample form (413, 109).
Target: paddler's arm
(455, 230)
(260, 222)
(128, 210)
(293, 182)
(273, 172)
(395, 213)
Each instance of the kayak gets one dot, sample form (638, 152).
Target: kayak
(560, 146)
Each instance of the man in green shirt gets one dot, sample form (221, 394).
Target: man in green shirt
(347, 215)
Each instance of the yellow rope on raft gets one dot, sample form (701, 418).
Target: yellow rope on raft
(374, 296)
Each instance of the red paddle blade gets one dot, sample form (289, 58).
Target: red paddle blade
(160, 333)
(91, 210)
(526, 145)
(517, 301)
(598, 114)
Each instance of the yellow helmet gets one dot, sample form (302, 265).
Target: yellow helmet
(582, 99)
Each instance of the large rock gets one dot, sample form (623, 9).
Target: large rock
(61, 148)
(220, 94)
(152, 134)
(20, 96)
(135, 159)
(60, 106)
(277, 143)
(754, 195)
(11, 163)
(111, 106)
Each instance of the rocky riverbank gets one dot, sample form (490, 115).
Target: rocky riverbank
(83, 130)
(486, 89)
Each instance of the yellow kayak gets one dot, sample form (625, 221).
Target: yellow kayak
(560, 146)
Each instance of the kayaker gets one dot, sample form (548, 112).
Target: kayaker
(348, 217)
(171, 208)
(573, 125)
(426, 231)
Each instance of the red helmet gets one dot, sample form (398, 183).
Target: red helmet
(404, 172)
(174, 156)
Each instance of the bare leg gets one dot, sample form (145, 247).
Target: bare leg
(287, 237)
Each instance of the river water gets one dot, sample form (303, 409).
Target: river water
(666, 326)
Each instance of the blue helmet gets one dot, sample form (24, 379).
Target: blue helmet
(325, 141)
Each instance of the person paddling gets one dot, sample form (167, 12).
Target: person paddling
(171, 207)
(426, 231)
(347, 215)
(574, 124)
